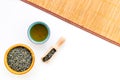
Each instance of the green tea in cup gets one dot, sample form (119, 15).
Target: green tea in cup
(38, 32)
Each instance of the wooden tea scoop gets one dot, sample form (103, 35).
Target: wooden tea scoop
(53, 49)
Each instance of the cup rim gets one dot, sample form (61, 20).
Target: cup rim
(6, 63)
(38, 42)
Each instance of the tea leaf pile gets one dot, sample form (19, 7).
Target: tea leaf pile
(19, 59)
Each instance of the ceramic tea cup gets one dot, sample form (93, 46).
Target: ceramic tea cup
(38, 32)
(19, 59)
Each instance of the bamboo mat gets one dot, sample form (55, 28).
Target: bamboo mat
(99, 17)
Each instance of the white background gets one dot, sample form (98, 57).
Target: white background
(82, 57)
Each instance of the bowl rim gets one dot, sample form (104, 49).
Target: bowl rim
(6, 63)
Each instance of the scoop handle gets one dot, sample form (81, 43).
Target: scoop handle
(59, 42)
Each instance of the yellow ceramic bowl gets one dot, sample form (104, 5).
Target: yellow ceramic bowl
(9, 68)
